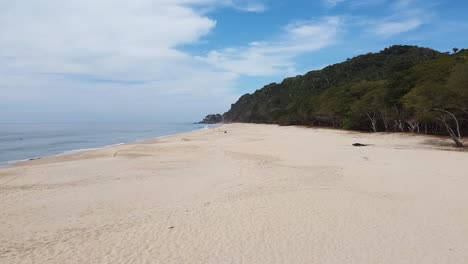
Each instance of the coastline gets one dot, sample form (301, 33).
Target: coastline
(11, 163)
(256, 194)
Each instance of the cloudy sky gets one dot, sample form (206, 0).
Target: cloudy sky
(159, 60)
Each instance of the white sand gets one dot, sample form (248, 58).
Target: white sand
(258, 194)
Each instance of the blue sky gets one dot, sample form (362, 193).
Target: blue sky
(160, 60)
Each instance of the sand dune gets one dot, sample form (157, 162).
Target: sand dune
(257, 194)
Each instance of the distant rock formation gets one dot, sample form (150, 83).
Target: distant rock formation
(212, 119)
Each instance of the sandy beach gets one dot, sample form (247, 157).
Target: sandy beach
(256, 194)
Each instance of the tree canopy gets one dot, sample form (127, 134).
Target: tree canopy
(401, 88)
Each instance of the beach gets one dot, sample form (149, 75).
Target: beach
(242, 193)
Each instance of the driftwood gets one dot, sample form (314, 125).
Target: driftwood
(360, 145)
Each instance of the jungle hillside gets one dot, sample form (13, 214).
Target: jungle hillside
(399, 89)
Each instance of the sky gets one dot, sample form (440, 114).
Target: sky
(178, 60)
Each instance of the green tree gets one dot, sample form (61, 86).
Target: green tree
(436, 102)
(371, 105)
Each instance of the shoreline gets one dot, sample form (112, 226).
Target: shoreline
(436, 142)
(12, 163)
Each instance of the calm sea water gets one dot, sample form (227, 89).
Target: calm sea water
(27, 141)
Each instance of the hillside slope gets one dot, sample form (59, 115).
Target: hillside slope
(401, 88)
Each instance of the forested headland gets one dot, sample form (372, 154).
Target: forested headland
(400, 89)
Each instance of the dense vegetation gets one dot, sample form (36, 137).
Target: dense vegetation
(402, 88)
(212, 119)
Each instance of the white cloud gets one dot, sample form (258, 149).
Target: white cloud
(332, 3)
(405, 16)
(83, 36)
(365, 3)
(253, 6)
(353, 3)
(91, 54)
(390, 28)
(277, 56)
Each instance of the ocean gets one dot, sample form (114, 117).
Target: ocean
(19, 142)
